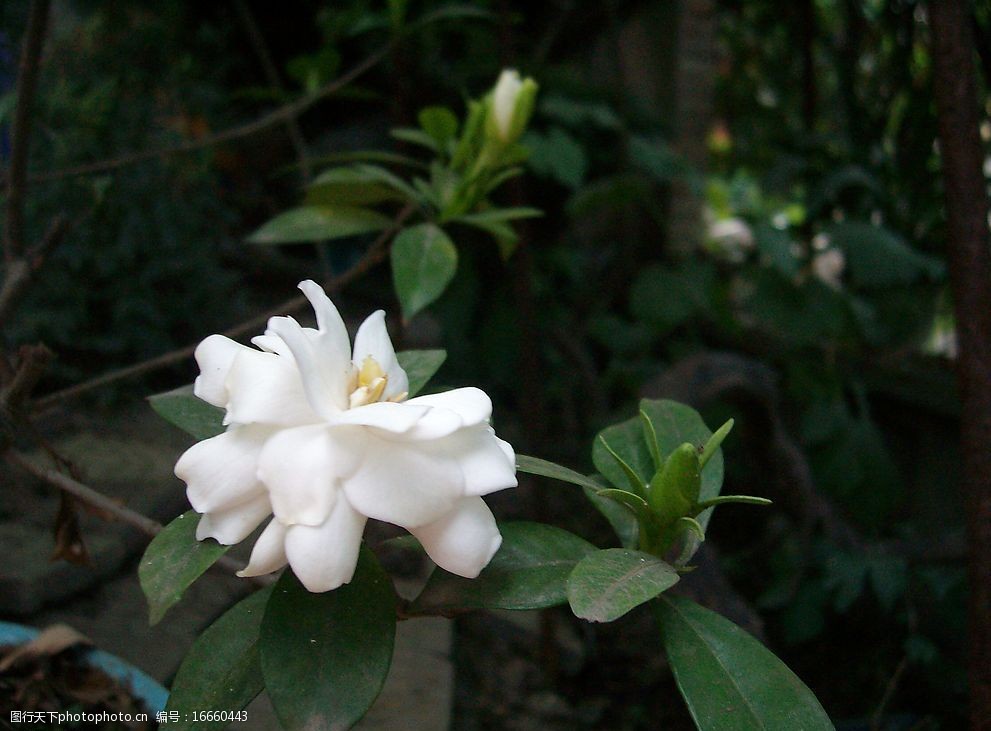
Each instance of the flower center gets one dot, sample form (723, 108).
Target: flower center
(370, 383)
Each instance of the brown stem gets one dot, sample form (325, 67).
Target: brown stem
(375, 255)
(33, 361)
(85, 493)
(20, 270)
(275, 117)
(89, 496)
(969, 258)
(27, 81)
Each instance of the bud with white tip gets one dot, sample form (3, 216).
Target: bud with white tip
(511, 105)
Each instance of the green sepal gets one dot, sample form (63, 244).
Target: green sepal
(723, 499)
(675, 488)
(650, 527)
(650, 436)
(471, 136)
(713, 444)
(638, 488)
(688, 546)
(526, 98)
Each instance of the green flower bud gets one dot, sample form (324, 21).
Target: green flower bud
(674, 490)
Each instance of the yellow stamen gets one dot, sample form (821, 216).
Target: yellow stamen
(370, 370)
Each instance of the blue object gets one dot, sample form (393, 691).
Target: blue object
(143, 686)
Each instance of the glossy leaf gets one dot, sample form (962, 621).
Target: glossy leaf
(729, 680)
(173, 560)
(607, 584)
(221, 669)
(325, 656)
(194, 416)
(348, 186)
(420, 366)
(424, 260)
(319, 223)
(528, 572)
(537, 466)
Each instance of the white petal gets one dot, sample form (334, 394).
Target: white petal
(301, 468)
(436, 423)
(391, 417)
(483, 459)
(324, 364)
(473, 405)
(272, 343)
(233, 525)
(324, 557)
(269, 552)
(220, 472)
(214, 357)
(401, 484)
(329, 321)
(463, 541)
(265, 388)
(373, 339)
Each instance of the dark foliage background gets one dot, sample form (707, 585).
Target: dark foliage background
(696, 161)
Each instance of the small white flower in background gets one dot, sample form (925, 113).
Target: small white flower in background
(512, 104)
(732, 237)
(322, 438)
(828, 267)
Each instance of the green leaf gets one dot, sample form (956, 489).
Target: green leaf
(504, 235)
(325, 656)
(221, 669)
(607, 584)
(415, 137)
(440, 124)
(557, 155)
(420, 366)
(498, 215)
(878, 257)
(319, 223)
(537, 466)
(173, 560)
(348, 187)
(529, 571)
(424, 260)
(729, 680)
(193, 415)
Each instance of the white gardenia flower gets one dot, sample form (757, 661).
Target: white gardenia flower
(322, 438)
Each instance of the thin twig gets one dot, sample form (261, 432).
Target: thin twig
(375, 254)
(19, 271)
(85, 493)
(288, 111)
(877, 718)
(89, 496)
(27, 80)
(272, 75)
